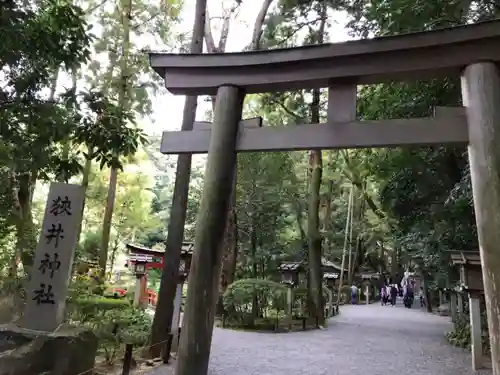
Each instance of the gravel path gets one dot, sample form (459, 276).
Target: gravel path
(362, 340)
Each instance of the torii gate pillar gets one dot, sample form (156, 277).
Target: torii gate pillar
(203, 284)
(481, 97)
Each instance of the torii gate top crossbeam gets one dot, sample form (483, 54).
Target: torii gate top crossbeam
(402, 57)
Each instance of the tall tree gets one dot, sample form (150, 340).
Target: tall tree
(175, 236)
(123, 97)
(34, 125)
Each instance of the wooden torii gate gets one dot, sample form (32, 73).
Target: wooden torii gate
(470, 52)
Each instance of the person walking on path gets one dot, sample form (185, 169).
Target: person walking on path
(421, 297)
(383, 295)
(354, 294)
(394, 294)
(408, 297)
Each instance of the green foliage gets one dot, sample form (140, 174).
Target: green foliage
(300, 296)
(239, 297)
(88, 309)
(460, 336)
(114, 321)
(117, 327)
(264, 195)
(424, 194)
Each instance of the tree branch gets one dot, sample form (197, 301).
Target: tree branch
(209, 38)
(299, 28)
(135, 27)
(258, 25)
(290, 112)
(95, 7)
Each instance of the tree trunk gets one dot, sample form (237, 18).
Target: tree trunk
(116, 242)
(313, 233)
(85, 184)
(106, 224)
(327, 213)
(168, 285)
(313, 229)
(344, 250)
(26, 241)
(66, 143)
(426, 292)
(230, 255)
(253, 252)
(126, 17)
(314, 237)
(358, 259)
(349, 263)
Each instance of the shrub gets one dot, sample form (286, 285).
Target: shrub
(239, 298)
(460, 336)
(117, 327)
(90, 308)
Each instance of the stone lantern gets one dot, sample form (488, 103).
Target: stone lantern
(184, 267)
(185, 263)
(290, 273)
(140, 260)
(290, 276)
(330, 279)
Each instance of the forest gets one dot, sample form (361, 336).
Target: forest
(77, 101)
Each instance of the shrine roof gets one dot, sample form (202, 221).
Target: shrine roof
(298, 265)
(331, 275)
(325, 263)
(368, 275)
(291, 266)
(472, 258)
(187, 248)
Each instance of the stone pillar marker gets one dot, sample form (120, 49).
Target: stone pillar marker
(48, 285)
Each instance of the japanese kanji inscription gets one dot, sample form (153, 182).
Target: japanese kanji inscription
(48, 285)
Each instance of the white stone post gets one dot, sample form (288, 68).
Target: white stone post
(289, 306)
(174, 328)
(137, 291)
(475, 331)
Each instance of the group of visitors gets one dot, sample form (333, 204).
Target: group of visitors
(389, 294)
